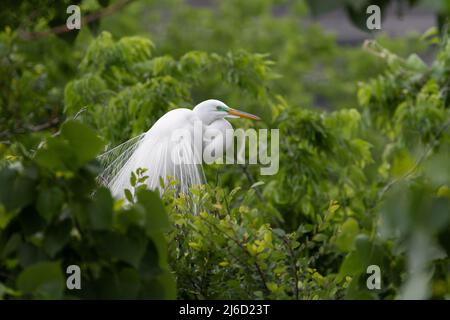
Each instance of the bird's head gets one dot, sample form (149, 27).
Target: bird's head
(211, 110)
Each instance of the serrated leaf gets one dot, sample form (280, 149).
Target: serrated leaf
(43, 280)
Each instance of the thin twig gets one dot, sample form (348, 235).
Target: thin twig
(79, 113)
(36, 128)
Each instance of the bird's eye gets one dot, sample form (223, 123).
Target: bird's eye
(221, 108)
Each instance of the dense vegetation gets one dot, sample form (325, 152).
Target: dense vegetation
(364, 158)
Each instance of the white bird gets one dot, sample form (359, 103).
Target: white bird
(169, 149)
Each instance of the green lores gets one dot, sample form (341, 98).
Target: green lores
(222, 108)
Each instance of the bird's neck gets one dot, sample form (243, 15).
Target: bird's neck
(205, 118)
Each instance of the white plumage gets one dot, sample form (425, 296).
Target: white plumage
(170, 148)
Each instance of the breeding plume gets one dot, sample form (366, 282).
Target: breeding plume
(168, 149)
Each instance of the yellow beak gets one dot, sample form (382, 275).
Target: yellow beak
(242, 114)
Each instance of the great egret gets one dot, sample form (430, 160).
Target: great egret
(164, 153)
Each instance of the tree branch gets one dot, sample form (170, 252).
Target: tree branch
(84, 21)
(36, 128)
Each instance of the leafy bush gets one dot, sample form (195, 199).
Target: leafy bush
(229, 251)
(53, 215)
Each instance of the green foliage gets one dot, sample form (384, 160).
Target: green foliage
(330, 167)
(29, 97)
(53, 215)
(124, 90)
(43, 280)
(229, 251)
(415, 99)
(313, 71)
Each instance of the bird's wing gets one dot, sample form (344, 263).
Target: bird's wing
(114, 159)
(161, 151)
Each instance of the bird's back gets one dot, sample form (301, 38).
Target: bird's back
(163, 156)
(175, 119)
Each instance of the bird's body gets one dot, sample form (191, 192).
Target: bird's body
(169, 149)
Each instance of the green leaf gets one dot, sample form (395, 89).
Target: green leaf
(30, 254)
(100, 210)
(43, 280)
(156, 216)
(16, 189)
(401, 163)
(129, 248)
(76, 145)
(416, 63)
(56, 237)
(11, 245)
(82, 140)
(6, 290)
(160, 244)
(133, 179)
(128, 195)
(30, 221)
(133, 215)
(161, 287)
(124, 284)
(349, 231)
(5, 217)
(364, 254)
(49, 203)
